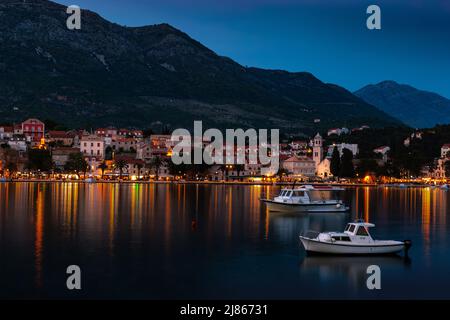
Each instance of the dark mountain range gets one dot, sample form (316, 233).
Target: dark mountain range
(416, 108)
(107, 74)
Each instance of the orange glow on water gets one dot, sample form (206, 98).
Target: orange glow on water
(367, 204)
(426, 214)
(39, 235)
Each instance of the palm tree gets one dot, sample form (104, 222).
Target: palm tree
(12, 168)
(156, 163)
(103, 166)
(139, 166)
(76, 163)
(282, 172)
(239, 169)
(225, 168)
(120, 164)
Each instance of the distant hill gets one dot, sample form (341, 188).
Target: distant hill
(107, 74)
(414, 107)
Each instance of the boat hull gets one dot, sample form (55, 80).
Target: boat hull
(313, 246)
(295, 207)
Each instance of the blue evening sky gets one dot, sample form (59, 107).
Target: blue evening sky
(328, 38)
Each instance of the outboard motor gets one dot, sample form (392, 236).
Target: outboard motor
(408, 244)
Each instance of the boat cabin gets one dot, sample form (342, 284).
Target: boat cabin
(307, 194)
(358, 229)
(354, 232)
(298, 195)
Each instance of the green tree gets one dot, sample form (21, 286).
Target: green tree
(282, 172)
(366, 166)
(39, 160)
(53, 125)
(10, 160)
(76, 163)
(335, 165)
(120, 164)
(156, 163)
(346, 169)
(12, 168)
(103, 166)
(139, 166)
(177, 169)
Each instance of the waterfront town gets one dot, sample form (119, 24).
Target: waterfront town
(29, 151)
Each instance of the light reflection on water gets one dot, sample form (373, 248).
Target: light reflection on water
(209, 241)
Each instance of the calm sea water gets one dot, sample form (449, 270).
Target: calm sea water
(139, 241)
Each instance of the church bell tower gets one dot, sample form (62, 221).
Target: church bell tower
(318, 149)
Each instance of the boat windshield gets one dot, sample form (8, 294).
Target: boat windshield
(362, 231)
(286, 193)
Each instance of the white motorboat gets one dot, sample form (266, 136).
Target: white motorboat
(303, 199)
(444, 187)
(355, 240)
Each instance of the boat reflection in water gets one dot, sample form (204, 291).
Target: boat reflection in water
(287, 225)
(187, 241)
(352, 270)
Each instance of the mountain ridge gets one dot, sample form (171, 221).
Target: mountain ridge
(415, 107)
(109, 74)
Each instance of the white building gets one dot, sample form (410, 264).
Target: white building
(383, 151)
(336, 131)
(323, 170)
(300, 166)
(123, 144)
(407, 142)
(93, 146)
(18, 142)
(6, 133)
(439, 172)
(298, 144)
(445, 149)
(144, 151)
